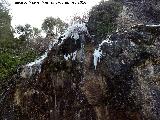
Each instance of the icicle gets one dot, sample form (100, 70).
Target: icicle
(74, 55)
(75, 36)
(73, 31)
(30, 71)
(132, 43)
(97, 55)
(98, 52)
(117, 30)
(67, 57)
(71, 56)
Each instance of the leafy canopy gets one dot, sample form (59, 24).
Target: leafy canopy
(54, 26)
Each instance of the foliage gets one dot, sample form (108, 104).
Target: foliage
(5, 22)
(25, 32)
(35, 33)
(13, 52)
(10, 62)
(79, 19)
(102, 18)
(53, 26)
(60, 25)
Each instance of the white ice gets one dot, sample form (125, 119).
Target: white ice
(98, 52)
(67, 57)
(97, 55)
(153, 25)
(73, 31)
(38, 61)
(71, 56)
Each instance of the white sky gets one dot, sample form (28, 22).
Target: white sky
(35, 14)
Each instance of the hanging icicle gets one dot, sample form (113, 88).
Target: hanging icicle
(98, 52)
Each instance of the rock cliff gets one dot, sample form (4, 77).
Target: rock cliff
(119, 79)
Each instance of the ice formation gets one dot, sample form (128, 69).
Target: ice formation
(73, 31)
(38, 61)
(67, 57)
(132, 43)
(148, 25)
(35, 66)
(71, 56)
(97, 55)
(74, 55)
(52, 44)
(117, 30)
(106, 41)
(98, 52)
(153, 25)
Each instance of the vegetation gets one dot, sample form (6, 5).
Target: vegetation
(25, 32)
(13, 52)
(29, 44)
(102, 18)
(53, 26)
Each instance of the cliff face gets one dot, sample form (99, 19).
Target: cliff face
(130, 67)
(117, 80)
(139, 12)
(146, 11)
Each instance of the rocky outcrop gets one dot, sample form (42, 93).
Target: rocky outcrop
(117, 80)
(138, 12)
(129, 61)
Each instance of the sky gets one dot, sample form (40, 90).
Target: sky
(34, 14)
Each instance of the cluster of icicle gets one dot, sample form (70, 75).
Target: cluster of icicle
(98, 52)
(73, 31)
(33, 67)
(71, 56)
